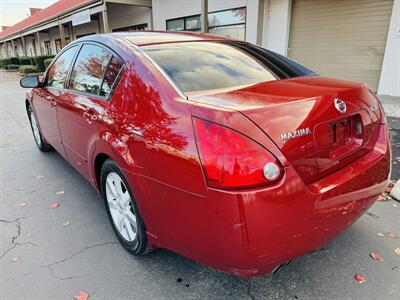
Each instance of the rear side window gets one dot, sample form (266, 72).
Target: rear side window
(111, 74)
(87, 73)
(58, 72)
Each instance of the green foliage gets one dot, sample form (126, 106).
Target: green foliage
(14, 60)
(24, 60)
(47, 62)
(39, 61)
(4, 62)
(12, 67)
(27, 69)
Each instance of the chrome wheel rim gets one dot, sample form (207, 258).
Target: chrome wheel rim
(35, 129)
(120, 205)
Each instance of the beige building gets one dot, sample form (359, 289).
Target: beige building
(351, 39)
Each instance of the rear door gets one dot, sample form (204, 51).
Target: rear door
(45, 99)
(85, 100)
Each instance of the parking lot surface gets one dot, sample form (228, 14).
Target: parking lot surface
(55, 253)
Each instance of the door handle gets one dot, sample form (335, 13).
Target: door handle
(90, 115)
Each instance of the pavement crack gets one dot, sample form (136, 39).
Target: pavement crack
(13, 242)
(78, 252)
(52, 271)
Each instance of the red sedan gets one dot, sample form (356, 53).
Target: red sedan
(219, 150)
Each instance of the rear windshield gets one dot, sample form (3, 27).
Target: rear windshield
(200, 66)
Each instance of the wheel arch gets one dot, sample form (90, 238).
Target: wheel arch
(99, 160)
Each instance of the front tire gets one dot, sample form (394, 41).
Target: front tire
(37, 135)
(122, 209)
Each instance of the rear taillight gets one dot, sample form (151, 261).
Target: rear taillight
(233, 161)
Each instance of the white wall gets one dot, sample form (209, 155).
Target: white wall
(277, 25)
(389, 83)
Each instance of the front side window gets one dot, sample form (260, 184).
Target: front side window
(199, 66)
(58, 72)
(87, 73)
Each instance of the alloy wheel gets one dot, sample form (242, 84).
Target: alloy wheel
(120, 205)
(35, 128)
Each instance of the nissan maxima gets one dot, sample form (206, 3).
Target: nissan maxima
(219, 150)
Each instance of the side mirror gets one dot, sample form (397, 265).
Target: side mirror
(30, 82)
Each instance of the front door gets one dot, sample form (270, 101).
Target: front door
(82, 105)
(45, 99)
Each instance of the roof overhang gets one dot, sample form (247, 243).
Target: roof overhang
(64, 16)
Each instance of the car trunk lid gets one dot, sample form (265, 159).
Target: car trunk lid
(303, 118)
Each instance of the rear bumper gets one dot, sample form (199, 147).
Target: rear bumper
(252, 232)
(288, 221)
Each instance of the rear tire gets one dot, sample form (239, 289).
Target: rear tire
(37, 135)
(122, 209)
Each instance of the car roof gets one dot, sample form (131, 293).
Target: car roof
(141, 38)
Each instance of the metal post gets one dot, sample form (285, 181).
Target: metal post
(151, 27)
(204, 16)
(23, 45)
(13, 48)
(260, 22)
(105, 19)
(71, 31)
(62, 35)
(38, 43)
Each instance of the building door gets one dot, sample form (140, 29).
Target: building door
(343, 39)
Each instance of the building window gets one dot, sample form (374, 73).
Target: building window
(58, 45)
(47, 48)
(191, 23)
(229, 23)
(138, 27)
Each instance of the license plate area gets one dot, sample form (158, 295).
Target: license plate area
(337, 139)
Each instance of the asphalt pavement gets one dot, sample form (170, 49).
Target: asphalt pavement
(55, 253)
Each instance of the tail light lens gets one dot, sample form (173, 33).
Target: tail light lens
(233, 161)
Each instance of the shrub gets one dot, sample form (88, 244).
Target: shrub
(14, 60)
(47, 62)
(26, 69)
(32, 60)
(24, 60)
(39, 61)
(12, 67)
(4, 62)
